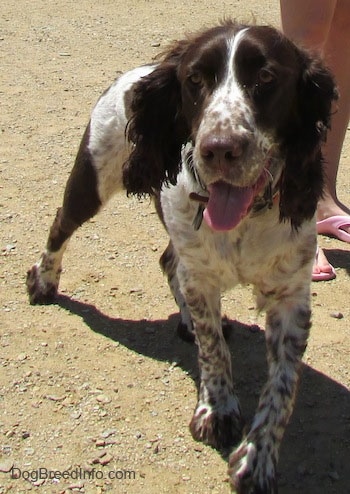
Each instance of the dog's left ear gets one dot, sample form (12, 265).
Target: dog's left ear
(302, 179)
(156, 128)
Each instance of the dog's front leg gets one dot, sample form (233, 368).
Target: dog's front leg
(252, 465)
(217, 418)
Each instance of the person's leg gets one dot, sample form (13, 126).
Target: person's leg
(337, 56)
(325, 27)
(307, 22)
(315, 25)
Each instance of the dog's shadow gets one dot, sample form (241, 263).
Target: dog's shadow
(339, 258)
(316, 446)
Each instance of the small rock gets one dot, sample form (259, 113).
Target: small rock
(103, 458)
(39, 482)
(106, 459)
(199, 448)
(9, 247)
(135, 290)
(103, 399)
(155, 44)
(334, 476)
(108, 433)
(77, 485)
(337, 315)
(100, 443)
(6, 466)
(55, 397)
(21, 357)
(25, 434)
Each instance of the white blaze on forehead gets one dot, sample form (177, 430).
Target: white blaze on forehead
(233, 44)
(229, 99)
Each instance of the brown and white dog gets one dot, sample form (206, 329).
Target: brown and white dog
(225, 132)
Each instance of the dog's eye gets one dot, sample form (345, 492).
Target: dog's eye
(195, 78)
(265, 76)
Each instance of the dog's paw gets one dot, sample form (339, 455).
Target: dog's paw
(40, 291)
(217, 429)
(251, 470)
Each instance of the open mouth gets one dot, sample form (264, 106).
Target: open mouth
(228, 204)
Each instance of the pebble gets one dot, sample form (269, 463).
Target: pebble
(103, 399)
(337, 315)
(100, 443)
(106, 459)
(9, 247)
(135, 290)
(21, 357)
(6, 466)
(108, 433)
(77, 485)
(333, 475)
(55, 397)
(103, 458)
(39, 482)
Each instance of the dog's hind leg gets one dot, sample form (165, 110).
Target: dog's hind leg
(96, 175)
(81, 201)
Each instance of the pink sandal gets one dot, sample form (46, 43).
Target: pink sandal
(323, 275)
(334, 226)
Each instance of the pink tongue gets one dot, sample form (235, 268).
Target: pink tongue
(227, 205)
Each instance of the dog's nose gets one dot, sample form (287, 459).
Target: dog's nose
(222, 149)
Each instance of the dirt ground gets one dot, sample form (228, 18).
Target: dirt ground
(99, 382)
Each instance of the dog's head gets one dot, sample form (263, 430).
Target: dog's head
(253, 105)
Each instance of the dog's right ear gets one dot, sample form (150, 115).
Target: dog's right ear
(156, 129)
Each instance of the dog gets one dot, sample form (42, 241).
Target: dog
(224, 131)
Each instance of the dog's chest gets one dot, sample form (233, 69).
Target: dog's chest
(229, 258)
(232, 257)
